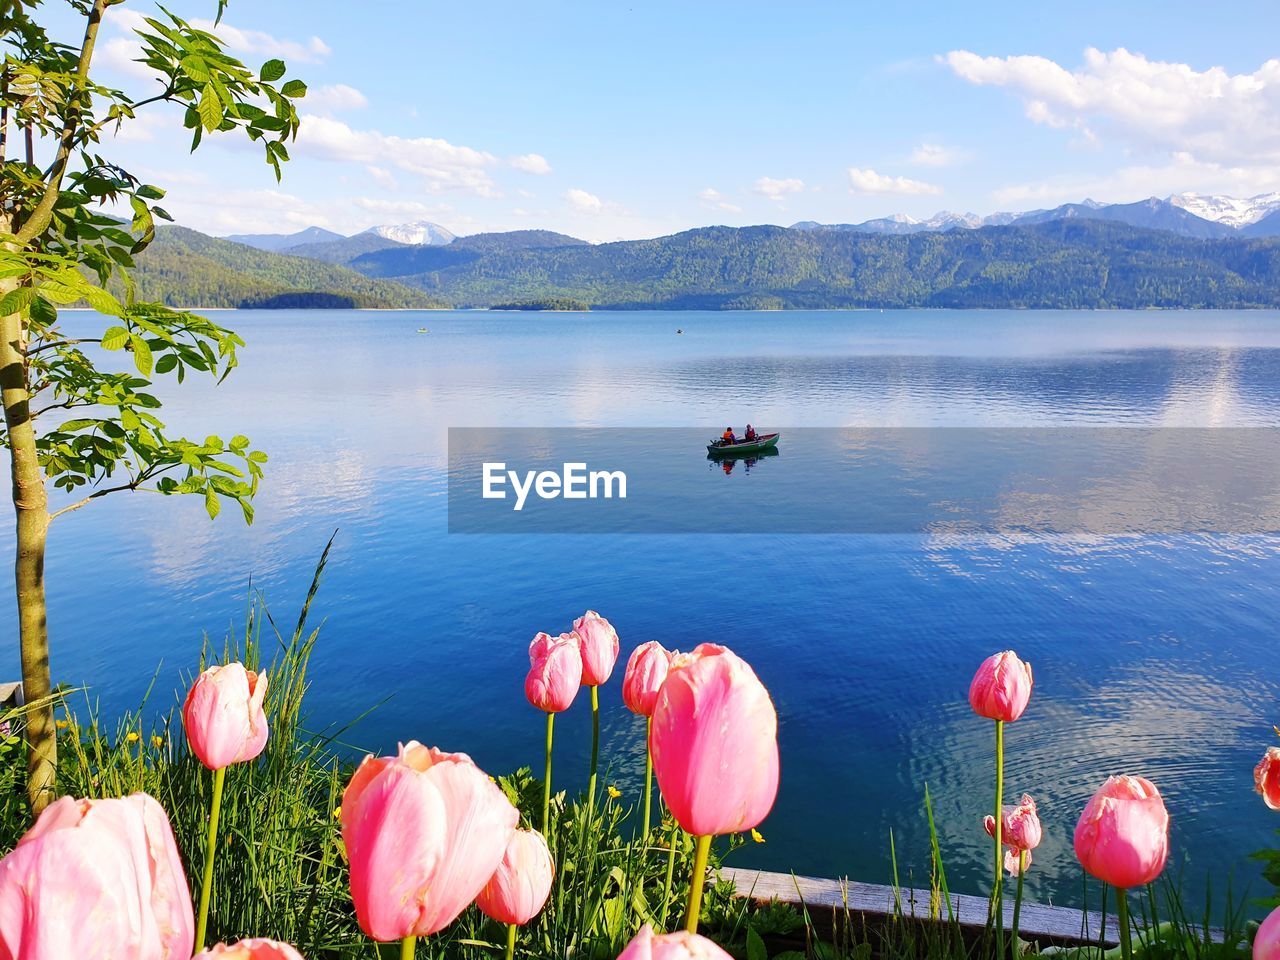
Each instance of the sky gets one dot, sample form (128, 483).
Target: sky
(612, 120)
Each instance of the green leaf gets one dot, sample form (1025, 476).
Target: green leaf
(17, 301)
(141, 354)
(211, 504)
(166, 363)
(210, 108)
(294, 89)
(271, 71)
(755, 946)
(115, 338)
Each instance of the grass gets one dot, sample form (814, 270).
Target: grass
(281, 871)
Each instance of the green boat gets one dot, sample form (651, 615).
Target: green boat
(765, 441)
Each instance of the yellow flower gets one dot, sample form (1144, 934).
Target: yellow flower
(614, 792)
(157, 741)
(755, 835)
(337, 813)
(63, 724)
(133, 736)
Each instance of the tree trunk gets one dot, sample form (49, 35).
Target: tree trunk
(30, 502)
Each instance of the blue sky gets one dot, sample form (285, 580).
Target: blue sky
(615, 120)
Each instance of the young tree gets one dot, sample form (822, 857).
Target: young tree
(87, 426)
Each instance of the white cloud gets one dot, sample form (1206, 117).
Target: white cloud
(311, 50)
(335, 98)
(532, 163)
(584, 202)
(441, 165)
(383, 177)
(934, 155)
(246, 211)
(777, 189)
(716, 200)
(1211, 115)
(868, 181)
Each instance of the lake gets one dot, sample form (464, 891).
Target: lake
(1154, 654)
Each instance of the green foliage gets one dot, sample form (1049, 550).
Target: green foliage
(545, 303)
(183, 268)
(1076, 264)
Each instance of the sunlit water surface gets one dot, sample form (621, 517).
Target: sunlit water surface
(1158, 656)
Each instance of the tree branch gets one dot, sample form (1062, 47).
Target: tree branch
(134, 484)
(42, 214)
(60, 343)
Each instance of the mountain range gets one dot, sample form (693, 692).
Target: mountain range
(1186, 250)
(1188, 214)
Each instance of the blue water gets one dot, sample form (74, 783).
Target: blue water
(1153, 655)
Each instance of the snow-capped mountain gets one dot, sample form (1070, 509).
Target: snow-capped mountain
(1232, 211)
(417, 234)
(1188, 214)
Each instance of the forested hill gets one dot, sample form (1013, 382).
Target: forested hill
(1071, 263)
(1061, 264)
(184, 268)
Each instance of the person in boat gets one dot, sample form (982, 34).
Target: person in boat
(727, 437)
(750, 434)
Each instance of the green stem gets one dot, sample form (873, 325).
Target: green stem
(210, 851)
(1017, 898)
(407, 947)
(997, 906)
(546, 781)
(595, 750)
(648, 774)
(511, 941)
(700, 853)
(1122, 914)
(671, 869)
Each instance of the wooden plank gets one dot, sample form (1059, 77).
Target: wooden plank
(1037, 920)
(10, 694)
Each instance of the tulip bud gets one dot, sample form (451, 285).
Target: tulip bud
(1266, 777)
(671, 946)
(423, 831)
(254, 949)
(96, 878)
(1019, 827)
(519, 888)
(1266, 943)
(555, 672)
(1001, 688)
(599, 644)
(714, 741)
(1123, 834)
(646, 670)
(223, 716)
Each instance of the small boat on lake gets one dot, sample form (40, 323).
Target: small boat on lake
(765, 441)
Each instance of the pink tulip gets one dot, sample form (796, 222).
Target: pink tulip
(519, 888)
(1019, 827)
(1266, 944)
(599, 644)
(223, 715)
(255, 949)
(1266, 778)
(96, 880)
(714, 741)
(1001, 688)
(671, 946)
(646, 670)
(555, 672)
(1017, 861)
(1123, 834)
(424, 831)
